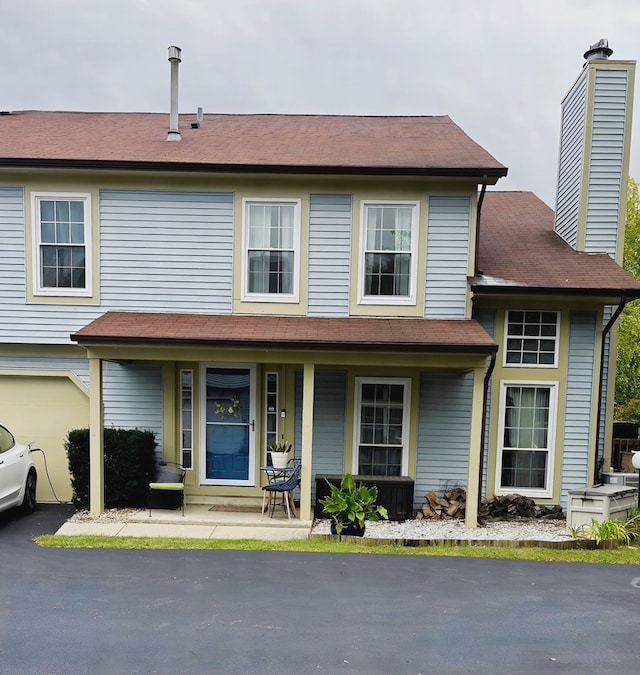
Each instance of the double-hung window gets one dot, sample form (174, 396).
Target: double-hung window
(527, 438)
(272, 250)
(388, 258)
(531, 339)
(62, 244)
(382, 426)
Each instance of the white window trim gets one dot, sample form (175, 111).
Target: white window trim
(388, 299)
(531, 365)
(406, 418)
(38, 289)
(551, 438)
(271, 297)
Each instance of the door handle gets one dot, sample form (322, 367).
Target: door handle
(253, 425)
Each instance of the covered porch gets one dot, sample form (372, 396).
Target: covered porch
(301, 349)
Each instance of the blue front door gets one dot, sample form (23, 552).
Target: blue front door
(229, 426)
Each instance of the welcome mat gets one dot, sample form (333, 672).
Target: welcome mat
(237, 508)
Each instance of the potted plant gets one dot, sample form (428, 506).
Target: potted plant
(350, 505)
(279, 454)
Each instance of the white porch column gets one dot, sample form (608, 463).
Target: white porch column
(307, 440)
(96, 438)
(477, 429)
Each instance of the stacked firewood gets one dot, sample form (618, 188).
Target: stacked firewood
(452, 504)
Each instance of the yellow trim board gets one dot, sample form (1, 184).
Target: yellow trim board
(48, 373)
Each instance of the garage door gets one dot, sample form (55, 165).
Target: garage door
(42, 410)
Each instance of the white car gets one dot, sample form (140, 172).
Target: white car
(18, 477)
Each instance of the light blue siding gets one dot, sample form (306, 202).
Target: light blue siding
(487, 319)
(329, 255)
(329, 420)
(12, 244)
(166, 251)
(572, 139)
(133, 398)
(579, 400)
(448, 232)
(605, 199)
(78, 366)
(444, 432)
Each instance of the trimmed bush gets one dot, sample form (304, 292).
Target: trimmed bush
(129, 466)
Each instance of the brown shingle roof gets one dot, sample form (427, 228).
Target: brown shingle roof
(422, 145)
(363, 334)
(520, 252)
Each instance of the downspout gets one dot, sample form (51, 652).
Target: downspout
(605, 332)
(480, 200)
(485, 406)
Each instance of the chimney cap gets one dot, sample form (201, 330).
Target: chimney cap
(599, 50)
(174, 54)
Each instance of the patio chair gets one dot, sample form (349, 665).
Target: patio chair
(283, 487)
(169, 478)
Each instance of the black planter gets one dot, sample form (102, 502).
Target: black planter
(348, 530)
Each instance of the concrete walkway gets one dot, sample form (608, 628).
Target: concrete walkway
(199, 522)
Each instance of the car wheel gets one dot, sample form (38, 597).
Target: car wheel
(29, 499)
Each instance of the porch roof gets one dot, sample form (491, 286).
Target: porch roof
(272, 332)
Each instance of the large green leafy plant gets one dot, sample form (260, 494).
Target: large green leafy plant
(351, 503)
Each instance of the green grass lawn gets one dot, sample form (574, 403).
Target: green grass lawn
(625, 555)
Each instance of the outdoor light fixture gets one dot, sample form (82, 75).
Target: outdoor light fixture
(635, 460)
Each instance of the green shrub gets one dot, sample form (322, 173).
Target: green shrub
(129, 466)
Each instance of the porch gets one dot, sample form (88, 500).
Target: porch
(200, 521)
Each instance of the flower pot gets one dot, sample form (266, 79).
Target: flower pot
(279, 460)
(349, 529)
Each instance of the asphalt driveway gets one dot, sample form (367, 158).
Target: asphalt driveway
(100, 611)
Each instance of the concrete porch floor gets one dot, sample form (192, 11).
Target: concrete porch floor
(199, 522)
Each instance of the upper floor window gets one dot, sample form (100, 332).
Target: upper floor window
(388, 265)
(271, 255)
(531, 339)
(62, 244)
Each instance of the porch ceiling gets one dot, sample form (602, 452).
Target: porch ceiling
(327, 334)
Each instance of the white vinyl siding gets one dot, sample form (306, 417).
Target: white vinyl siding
(329, 255)
(447, 265)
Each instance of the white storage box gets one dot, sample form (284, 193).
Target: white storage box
(599, 502)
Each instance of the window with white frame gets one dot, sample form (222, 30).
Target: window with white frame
(382, 426)
(271, 255)
(531, 339)
(186, 418)
(527, 438)
(271, 409)
(388, 265)
(62, 244)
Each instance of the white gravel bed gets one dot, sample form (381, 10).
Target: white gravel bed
(519, 530)
(108, 516)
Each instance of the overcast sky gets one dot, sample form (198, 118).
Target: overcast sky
(499, 68)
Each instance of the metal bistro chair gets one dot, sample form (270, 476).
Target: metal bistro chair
(283, 487)
(169, 478)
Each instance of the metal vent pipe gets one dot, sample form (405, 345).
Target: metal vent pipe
(174, 59)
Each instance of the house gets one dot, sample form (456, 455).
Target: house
(346, 283)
